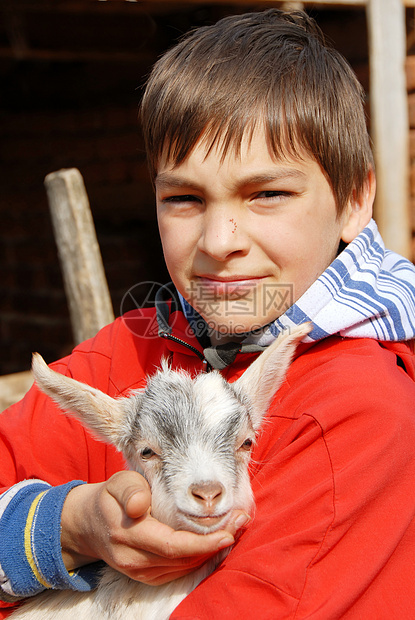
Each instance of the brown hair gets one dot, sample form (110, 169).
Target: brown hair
(272, 67)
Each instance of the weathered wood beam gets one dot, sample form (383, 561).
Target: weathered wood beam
(152, 6)
(84, 278)
(13, 387)
(144, 58)
(389, 120)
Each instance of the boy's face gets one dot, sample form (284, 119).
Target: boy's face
(245, 236)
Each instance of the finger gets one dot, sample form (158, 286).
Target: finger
(155, 570)
(238, 522)
(163, 540)
(166, 578)
(155, 577)
(160, 539)
(131, 491)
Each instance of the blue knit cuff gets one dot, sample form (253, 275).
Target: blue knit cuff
(30, 545)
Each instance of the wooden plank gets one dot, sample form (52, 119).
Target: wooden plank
(140, 57)
(389, 120)
(86, 286)
(13, 387)
(151, 6)
(410, 72)
(412, 143)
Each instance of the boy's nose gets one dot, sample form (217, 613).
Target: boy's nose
(223, 234)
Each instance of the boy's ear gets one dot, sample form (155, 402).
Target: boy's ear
(97, 411)
(359, 210)
(265, 375)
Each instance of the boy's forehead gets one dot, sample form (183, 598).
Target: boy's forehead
(252, 152)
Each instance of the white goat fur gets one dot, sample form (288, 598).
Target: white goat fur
(200, 431)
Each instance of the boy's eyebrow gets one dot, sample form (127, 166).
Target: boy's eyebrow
(273, 175)
(166, 180)
(170, 180)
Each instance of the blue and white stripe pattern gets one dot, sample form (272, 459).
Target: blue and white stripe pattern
(366, 292)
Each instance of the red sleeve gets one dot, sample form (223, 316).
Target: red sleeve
(37, 440)
(333, 535)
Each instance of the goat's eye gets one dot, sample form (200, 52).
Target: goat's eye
(247, 444)
(147, 453)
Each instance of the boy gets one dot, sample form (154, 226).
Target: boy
(264, 187)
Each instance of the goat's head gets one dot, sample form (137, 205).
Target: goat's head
(191, 438)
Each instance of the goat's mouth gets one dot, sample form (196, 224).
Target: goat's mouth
(207, 522)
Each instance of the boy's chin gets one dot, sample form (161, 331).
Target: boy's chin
(233, 330)
(232, 319)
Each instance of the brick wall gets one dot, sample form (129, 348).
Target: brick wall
(103, 141)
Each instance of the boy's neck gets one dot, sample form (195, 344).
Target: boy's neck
(216, 338)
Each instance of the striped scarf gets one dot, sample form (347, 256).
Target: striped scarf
(366, 292)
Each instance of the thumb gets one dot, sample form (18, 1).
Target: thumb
(131, 491)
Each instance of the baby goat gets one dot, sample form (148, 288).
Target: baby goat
(192, 439)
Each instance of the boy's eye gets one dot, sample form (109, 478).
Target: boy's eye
(181, 199)
(273, 194)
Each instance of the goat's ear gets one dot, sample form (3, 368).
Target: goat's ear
(265, 375)
(99, 412)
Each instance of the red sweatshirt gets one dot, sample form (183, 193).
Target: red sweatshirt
(333, 473)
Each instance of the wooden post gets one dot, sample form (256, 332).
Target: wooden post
(389, 120)
(84, 278)
(13, 387)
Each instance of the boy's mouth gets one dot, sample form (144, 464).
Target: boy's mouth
(227, 285)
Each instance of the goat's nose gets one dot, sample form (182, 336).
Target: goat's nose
(207, 493)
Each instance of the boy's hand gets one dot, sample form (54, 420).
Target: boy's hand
(112, 521)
